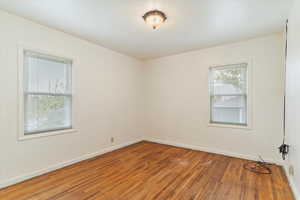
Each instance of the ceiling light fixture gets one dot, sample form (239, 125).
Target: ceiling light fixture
(154, 18)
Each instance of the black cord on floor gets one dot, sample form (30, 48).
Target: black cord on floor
(259, 167)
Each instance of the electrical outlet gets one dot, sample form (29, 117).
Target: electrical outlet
(291, 170)
(112, 139)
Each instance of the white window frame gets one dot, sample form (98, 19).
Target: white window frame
(249, 114)
(21, 132)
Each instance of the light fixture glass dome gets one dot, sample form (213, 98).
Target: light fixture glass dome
(154, 18)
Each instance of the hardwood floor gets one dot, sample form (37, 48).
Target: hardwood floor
(145, 171)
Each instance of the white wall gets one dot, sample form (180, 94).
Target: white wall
(293, 93)
(107, 99)
(177, 99)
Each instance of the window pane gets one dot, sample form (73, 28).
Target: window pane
(229, 109)
(43, 112)
(46, 74)
(229, 80)
(229, 115)
(229, 101)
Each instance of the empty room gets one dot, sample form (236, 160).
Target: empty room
(150, 100)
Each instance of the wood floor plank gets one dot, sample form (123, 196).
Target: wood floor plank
(148, 171)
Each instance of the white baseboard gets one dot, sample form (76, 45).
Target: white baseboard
(24, 177)
(213, 150)
(292, 183)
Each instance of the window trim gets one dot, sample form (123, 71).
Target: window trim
(249, 115)
(21, 132)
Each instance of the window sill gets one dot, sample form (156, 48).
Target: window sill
(229, 126)
(46, 134)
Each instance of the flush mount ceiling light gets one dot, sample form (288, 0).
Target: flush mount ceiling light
(154, 18)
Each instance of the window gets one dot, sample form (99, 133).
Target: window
(228, 94)
(47, 88)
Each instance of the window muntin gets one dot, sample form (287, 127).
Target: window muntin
(228, 94)
(47, 91)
